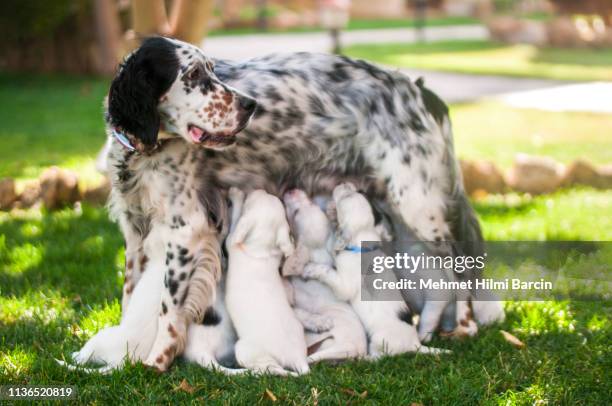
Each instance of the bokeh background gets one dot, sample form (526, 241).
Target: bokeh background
(529, 85)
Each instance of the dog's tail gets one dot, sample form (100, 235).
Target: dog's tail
(101, 370)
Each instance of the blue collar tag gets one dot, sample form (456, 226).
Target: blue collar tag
(123, 140)
(359, 250)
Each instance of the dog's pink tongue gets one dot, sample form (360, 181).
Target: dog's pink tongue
(196, 133)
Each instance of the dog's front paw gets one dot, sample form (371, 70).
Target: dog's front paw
(158, 364)
(466, 328)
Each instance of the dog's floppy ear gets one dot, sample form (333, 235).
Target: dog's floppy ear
(134, 94)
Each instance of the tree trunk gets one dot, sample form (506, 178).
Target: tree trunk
(108, 36)
(190, 19)
(149, 17)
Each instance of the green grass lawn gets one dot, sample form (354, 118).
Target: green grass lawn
(61, 274)
(50, 121)
(494, 131)
(60, 279)
(488, 58)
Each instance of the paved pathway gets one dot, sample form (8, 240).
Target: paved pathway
(457, 87)
(239, 47)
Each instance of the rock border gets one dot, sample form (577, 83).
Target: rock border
(57, 188)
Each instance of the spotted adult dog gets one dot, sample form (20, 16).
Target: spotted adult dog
(180, 139)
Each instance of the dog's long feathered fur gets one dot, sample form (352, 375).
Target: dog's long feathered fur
(319, 119)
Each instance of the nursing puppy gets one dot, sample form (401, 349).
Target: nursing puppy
(270, 337)
(386, 322)
(344, 336)
(312, 231)
(214, 339)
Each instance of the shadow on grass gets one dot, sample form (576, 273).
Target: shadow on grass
(77, 255)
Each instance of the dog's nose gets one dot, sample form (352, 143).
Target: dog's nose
(247, 103)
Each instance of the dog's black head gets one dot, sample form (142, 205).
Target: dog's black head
(170, 85)
(134, 94)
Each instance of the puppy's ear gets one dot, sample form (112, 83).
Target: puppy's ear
(135, 92)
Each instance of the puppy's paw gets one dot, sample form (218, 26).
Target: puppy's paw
(294, 264)
(313, 271)
(236, 195)
(324, 324)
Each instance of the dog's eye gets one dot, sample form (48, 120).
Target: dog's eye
(196, 73)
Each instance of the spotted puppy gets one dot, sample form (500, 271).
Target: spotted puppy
(270, 337)
(387, 323)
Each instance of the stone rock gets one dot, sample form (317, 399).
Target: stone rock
(605, 176)
(479, 176)
(512, 30)
(562, 32)
(58, 188)
(97, 195)
(30, 195)
(535, 175)
(580, 173)
(7, 193)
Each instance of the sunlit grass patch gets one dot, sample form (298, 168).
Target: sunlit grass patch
(42, 307)
(484, 57)
(495, 132)
(537, 318)
(105, 315)
(16, 361)
(577, 214)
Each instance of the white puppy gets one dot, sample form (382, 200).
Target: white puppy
(214, 339)
(312, 231)
(270, 337)
(133, 338)
(384, 321)
(345, 336)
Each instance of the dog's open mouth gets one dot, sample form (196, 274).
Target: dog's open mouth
(199, 136)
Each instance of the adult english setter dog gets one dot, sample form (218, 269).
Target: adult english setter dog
(185, 128)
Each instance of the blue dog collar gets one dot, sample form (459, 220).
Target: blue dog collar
(359, 250)
(123, 139)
